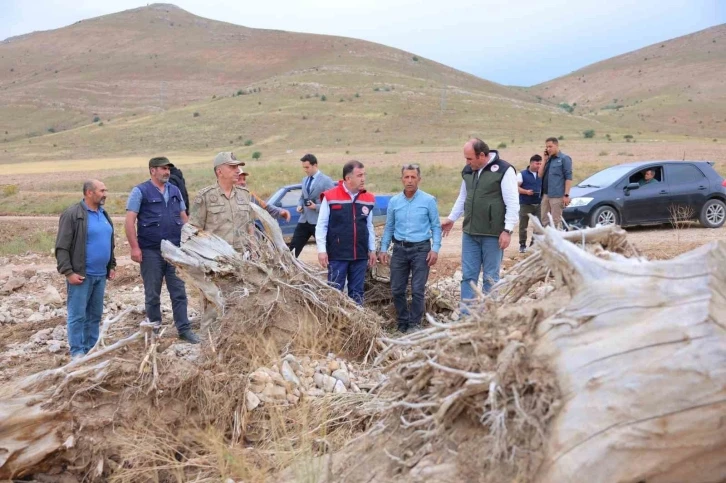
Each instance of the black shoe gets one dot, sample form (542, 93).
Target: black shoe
(413, 328)
(189, 336)
(403, 328)
(522, 248)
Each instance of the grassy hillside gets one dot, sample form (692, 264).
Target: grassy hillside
(678, 86)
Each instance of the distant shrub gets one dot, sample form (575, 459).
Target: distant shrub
(256, 155)
(387, 89)
(347, 152)
(196, 114)
(715, 140)
(501, 145)
(214, 96)
(241, 92)
(616, 107)
(100, 123)
(248, 142)
(566, 107)
(389, 152)
(377, 130)
(10, 190)
(304, 118)
(96, 119)
(607, 136)
(415, 58)
(560, 137)
(376, 89)
(341, 100)
(357, 95)
(603, 153)
(51, 130)
(588, 134)
(628, 137)
(385, 113)
(323, 98)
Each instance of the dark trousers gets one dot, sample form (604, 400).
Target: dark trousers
(352, 270)
(405, 261)
(154, 269)
(524, 212)
(303, 232)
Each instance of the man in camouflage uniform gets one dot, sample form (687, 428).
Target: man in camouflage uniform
(224, 207)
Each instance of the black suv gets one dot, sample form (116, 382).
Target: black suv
(677, 190)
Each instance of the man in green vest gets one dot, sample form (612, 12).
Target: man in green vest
(489, 200)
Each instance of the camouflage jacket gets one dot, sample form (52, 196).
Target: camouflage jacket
(229, 218)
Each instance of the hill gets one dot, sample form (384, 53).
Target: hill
(159, 78)
(677, 86)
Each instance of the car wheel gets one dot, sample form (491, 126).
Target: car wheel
(713, 214)
(604, 216)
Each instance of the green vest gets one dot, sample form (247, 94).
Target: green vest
(484, 207)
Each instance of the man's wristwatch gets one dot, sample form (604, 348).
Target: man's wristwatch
(508, 231)
(566, 195)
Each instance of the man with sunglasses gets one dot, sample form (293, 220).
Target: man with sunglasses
(412, 222)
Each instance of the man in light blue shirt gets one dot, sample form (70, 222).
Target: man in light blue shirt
(411, 223)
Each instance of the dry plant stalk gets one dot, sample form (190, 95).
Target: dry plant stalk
(680, 217)
(127, 407)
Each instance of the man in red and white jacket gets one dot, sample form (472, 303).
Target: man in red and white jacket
(344, 234)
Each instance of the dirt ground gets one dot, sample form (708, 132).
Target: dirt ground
(654, 242)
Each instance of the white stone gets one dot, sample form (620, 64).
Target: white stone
(54, 346)
(288, 374)
(319, 380)
(251, 400)
(50, 296)
(339, 387)
(329, 383)
(342, 376)
(354, 387)
(59, 332)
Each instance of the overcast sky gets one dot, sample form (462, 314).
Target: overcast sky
(514, 42)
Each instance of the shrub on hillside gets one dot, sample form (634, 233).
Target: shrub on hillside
(96, 118)
(566, 107)
(628, 137)
(256, 155)
(10, 190)
(51, 130)
(248, 142)
(323, 98)
(560, 137)
(415, 58)
(501, 145)
(196, 114)
(589, 133)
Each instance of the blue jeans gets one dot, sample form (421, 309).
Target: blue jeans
(478, 252)
(154, 269)
(85, 309)
(405, 262)
(354, 271)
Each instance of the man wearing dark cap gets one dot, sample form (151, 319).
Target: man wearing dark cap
(224, 207)
(314, 184)
(156, 211)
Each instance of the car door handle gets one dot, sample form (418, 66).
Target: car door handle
(663, 192)
(701, 188)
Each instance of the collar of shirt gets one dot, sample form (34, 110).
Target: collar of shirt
(99, 210)
(492, 157)
(352, 195)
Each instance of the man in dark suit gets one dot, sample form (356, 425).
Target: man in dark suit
(313, 185)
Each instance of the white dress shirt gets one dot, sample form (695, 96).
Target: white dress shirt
(321, 229)
(510, 194)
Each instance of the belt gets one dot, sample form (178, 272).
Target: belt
(406, 244)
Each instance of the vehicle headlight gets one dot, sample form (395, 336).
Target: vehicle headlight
(580, 202)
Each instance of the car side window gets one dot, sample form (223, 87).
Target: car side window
(291, 197)
(683, 174)
(640, 175)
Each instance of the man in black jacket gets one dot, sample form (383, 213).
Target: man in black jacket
(84, 249)
(177, 179)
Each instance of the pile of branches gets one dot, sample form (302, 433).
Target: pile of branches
(134, 406)
(473, 390)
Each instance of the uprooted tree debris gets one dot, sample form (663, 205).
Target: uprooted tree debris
(617, 374)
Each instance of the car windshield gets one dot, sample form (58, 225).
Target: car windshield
(605, 177)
